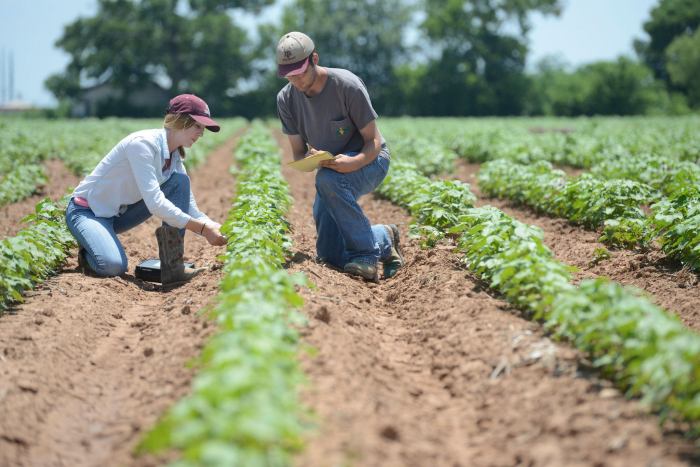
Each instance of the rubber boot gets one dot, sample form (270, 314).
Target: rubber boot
(171, 249)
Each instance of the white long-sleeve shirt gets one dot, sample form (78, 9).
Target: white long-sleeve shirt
(131, 172)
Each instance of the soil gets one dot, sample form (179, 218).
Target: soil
(426, 369)
(429, 368)
(59, 180)
(88, 364)
(665, 281)
(571, 171)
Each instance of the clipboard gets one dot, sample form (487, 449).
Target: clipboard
(308, 164)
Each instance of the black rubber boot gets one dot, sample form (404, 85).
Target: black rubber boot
(171, 249)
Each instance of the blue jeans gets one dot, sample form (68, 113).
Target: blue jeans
(344, 232)
(98, 235)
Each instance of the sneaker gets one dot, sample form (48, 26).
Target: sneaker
(364, 270)
(395, 261)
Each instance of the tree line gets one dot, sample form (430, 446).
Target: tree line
(417, 57)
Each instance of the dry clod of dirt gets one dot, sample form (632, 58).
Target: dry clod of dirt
(322, 314)
(390, 433)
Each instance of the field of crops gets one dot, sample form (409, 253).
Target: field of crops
(548, 313)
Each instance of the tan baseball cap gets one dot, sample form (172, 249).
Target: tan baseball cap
(293, 51)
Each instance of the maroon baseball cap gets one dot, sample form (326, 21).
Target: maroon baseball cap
(195, 107)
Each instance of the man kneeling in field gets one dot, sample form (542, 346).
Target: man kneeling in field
(329, 109)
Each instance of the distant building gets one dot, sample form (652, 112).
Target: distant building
(104, 99)
(15, 106)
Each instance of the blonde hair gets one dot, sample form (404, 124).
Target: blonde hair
(178, 122)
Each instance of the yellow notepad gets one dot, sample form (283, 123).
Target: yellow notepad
(310, 163)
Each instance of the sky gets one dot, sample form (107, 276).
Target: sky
(586, 31)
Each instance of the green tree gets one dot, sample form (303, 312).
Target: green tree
(669, 20)
(620, 87)
(554, 90)
(181, 46)
(480, 65)
(683, 64)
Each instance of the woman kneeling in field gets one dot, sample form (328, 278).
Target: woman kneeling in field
(143, 175)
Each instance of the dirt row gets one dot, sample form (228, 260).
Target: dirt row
(667, 283)
(88, 364)
(429, 368)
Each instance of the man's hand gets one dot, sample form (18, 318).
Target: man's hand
(342, 163)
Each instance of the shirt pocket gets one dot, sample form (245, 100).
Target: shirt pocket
(341, 130)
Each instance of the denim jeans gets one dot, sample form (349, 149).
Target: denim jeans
(98, 235)
(343, 231)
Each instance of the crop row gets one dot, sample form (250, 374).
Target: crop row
(32, 255)
(677, 222)
(39, 249)
(634, 163)
(580, 143)
(646, 351)
(583, 142)
(20, 182)
(655, 151)
(244, 408)
(80, 144)
(585, 200)
(667, 175)
(615, 204)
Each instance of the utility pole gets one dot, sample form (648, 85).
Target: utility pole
(2, 76)
(11, 77)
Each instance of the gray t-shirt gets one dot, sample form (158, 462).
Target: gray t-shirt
(329, 121)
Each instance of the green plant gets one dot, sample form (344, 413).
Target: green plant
(244, 407)
(600, 254)
(35, 252)
(644, 350)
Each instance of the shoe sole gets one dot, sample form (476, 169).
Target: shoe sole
(180, 282)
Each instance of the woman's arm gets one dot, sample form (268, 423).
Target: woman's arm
(199, 222)
(208, 229)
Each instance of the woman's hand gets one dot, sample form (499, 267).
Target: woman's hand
(213, 235)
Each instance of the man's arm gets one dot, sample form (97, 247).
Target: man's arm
(298, 146)
(370, 151)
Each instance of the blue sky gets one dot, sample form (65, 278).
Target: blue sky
(587, 30)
